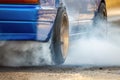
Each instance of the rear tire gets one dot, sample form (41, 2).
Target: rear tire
(60, 37)
(100, 22)
(101, 15)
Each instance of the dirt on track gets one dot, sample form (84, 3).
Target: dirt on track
(59, 73)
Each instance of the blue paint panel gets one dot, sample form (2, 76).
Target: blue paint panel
(19, 12)
(18, 27)
(18, 30)
(17, 36)
(18, 22)
(24, 22)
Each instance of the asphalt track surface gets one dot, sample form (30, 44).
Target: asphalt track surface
(59, 73)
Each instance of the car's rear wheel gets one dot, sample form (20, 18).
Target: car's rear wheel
(100, 22)
(101, 15)
(60, 37)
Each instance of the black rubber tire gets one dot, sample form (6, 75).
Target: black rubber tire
(101, 14)
(56, 52)
(100, 29)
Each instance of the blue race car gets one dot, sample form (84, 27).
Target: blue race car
(36, 20)
(44, 20)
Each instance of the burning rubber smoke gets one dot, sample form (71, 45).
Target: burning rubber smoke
(24, 53)
(99, 47)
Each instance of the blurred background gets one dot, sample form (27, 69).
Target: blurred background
(113, 8)
(113, 3)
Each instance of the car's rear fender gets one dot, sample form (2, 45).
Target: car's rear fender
(38, 19)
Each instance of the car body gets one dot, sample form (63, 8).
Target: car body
(27, 21)
(35, 21)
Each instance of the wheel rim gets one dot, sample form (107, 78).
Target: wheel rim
(64, 39)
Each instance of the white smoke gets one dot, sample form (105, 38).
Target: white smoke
(100, 47)
(24, 53)
(94, 51)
